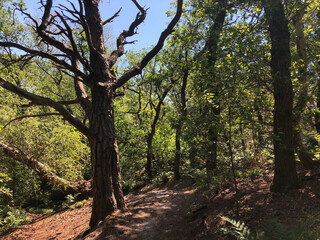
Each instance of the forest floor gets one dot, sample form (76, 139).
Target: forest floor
(180, 211)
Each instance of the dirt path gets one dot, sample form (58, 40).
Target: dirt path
(181, 212)
(152, 213)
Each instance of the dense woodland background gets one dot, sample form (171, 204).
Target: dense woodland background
(202, 108)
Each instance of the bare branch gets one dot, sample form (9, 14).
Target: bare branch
(31, 116)
(81, 92)
(131, 42)
(141, 9)
(46, 102)
(46, 15)
(84, 24)
(43, 33)
(113, 17)
(74, 45)
(70, 102)
(30, 17)
(52, 57)
(153, 52)
(121, 40)
(24, 59)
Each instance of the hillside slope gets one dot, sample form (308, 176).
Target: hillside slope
(181, 212)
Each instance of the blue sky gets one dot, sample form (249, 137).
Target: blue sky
(148, 32)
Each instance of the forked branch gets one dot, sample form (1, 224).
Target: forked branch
(113, 17)
(121, 40)
(153, 52)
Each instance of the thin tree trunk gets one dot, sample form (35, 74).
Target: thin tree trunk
(229, 143)
(116, 177)
(177, 157)
(317, 114)
(151, 134)
(303, 98)
(183, 115)
(257, 104)
(285, 174)
(149, 155)
(243, 144)
(211, 163)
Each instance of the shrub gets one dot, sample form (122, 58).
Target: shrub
(12, 217)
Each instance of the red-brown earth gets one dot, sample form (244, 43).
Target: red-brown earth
(180, 211)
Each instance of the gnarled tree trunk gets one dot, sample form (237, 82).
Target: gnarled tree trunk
(104, 157)
(96, 73)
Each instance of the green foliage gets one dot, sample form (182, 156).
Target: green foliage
(272, 230)
(49, 140)
(23, 182)
(128, 185)
(12, 217)
(80, 204)
(163, 177)
(40, 210)
(254, 173)
(10, 28)
(201, 179)
(239, 230)
(72, 203)
(69, 200)
(5, 192)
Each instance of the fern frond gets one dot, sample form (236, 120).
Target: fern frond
(240, 230)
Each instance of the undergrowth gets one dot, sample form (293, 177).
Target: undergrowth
(272, 230)
(12, 217)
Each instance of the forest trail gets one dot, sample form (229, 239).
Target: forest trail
(156, 213)
(152, 213)
(180, 212)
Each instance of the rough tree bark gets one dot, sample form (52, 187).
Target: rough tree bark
(96, 73)
(285, 175)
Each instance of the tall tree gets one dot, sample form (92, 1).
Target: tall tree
(303, 95)
(285, 175)
(58, 43)
(212, 106)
